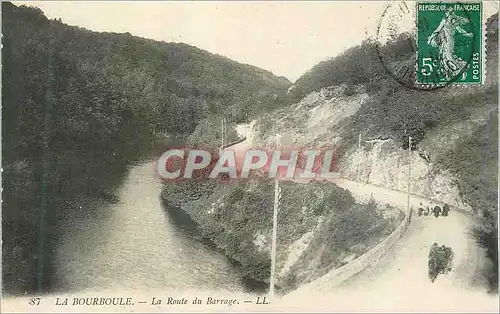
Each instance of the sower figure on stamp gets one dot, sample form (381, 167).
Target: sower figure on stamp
(443, 39)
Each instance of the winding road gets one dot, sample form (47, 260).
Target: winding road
(399, 281)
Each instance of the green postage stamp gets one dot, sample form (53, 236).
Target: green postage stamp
(449, 43)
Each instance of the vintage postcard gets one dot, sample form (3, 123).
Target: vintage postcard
(249, 156)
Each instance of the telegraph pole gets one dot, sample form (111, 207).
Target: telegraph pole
(369, 60)
(409, 175)
(223, 128)
(399, 172)
(223, 135)
(277, 197)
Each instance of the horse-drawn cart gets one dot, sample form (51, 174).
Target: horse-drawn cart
(440, 261)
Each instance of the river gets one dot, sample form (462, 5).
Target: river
(136, 244)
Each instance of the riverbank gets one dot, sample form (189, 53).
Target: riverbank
(135, 244)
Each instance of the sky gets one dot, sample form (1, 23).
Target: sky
(286, 38)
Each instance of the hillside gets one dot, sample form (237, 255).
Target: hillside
(237, 217)
(80, 107)
(357, 65)
(352, 104)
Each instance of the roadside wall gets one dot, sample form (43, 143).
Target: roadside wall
(339, 275)
(381, 195)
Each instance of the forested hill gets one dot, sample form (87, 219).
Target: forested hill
(78, 107)
(156, 76)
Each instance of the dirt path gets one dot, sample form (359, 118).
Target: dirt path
(399, 281)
